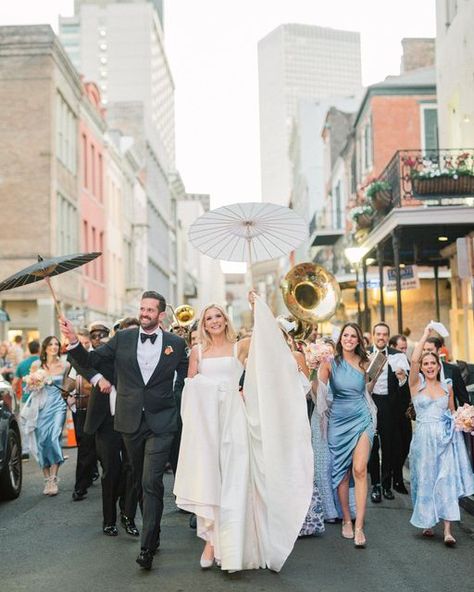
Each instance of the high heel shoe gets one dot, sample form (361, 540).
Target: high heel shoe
(53, 486)
(47, 485)
(449, 540)
(347, 530)
(206, 563)
(359, 539)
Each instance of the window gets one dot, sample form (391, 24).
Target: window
(101, 259)
(84, 161)
(85, 238)
(337, 218)
(94, 248)
(66, 134)
(429, 127)
(66, 225)
(93, 186)
(100, 171)
(367, 142)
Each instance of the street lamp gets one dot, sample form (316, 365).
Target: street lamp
(355, 255)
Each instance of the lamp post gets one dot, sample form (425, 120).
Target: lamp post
(355, 255)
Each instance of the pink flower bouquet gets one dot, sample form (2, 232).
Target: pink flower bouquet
(316, 353)
(35, 381)
(464, 419)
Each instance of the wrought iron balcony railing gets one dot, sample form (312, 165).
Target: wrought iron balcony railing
(431, 177)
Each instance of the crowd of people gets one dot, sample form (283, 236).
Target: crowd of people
(232, 416)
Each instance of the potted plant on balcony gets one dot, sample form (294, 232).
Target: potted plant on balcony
(363, 216)
(380, 194)
(453, 176)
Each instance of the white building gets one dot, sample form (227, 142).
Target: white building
(120, 46)
(455, 71)
(298, 62)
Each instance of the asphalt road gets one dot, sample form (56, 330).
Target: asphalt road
(55, 544)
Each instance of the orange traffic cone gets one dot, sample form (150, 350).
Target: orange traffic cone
(70, 432)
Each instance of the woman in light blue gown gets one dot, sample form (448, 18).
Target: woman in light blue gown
(439, 465)
(351, 426)
(46, 424)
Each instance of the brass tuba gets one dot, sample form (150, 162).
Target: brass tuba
(183, 315)
(311, 294)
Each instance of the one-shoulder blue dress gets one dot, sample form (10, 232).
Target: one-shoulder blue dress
(50, 425)
(349, 417)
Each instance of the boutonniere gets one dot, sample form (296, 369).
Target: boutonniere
(168, 350)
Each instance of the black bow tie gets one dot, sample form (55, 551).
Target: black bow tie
(151, 336)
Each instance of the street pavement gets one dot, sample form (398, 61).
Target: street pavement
(55, 544)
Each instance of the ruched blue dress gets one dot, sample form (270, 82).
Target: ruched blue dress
(50, 424)
(349, 417)
(439, 466)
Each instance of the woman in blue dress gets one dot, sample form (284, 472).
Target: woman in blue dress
(351, 426)
(439, 465)
(46, 413)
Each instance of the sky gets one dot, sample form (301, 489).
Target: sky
(212, 50)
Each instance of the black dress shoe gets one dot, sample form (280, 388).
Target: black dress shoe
(400, 488)
(376, 494)
(110, 530)
(129, 525)
(145, 559)
(388, 494)
(79, 495)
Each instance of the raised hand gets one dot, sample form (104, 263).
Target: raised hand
(67, 329)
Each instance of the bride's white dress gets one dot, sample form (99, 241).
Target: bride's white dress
(245, 467)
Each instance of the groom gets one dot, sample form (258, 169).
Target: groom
(146, 360)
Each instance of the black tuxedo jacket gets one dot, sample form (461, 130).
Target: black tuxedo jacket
(157, 399)
(98, 407)
(460, 393)
(398, 395)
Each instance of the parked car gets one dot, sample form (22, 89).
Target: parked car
(10, 444)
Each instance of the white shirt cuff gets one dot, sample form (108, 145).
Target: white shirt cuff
(72, 345)
(95, 379)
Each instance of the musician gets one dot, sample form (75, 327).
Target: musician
(391, 396)
(86, 464)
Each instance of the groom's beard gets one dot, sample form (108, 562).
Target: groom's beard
(147, 324)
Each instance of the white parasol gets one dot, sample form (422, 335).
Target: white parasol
(248, 232)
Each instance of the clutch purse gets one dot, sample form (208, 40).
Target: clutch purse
(377, 362)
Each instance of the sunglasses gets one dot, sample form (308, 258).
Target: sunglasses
(99, 335)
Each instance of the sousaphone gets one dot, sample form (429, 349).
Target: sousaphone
(311, 294)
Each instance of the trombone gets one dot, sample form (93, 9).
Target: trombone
(183, 317)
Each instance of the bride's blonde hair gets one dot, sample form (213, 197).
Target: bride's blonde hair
(203, 336)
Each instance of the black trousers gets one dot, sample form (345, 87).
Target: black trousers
(109, 446)
(86, 464)
(148, 453)
(385, 429)
(401, 444)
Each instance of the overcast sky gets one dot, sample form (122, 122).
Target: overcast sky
(212, 48)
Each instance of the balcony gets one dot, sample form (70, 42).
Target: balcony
(326, 228)
(429, 178)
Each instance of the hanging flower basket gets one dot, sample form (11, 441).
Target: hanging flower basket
(380, 195)
(363, 216)
(443, 185)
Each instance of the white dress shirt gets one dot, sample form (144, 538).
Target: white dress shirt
(148, 353)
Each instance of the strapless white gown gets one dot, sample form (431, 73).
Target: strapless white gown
(246, 467)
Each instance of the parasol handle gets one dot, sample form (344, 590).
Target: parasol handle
(53, 294)
(249, 247)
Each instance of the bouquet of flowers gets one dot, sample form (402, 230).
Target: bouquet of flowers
(464, 419)
(316, 353)
(35, 381)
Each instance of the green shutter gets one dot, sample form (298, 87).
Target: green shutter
(431, 129)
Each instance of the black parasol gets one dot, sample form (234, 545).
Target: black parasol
(45, 269)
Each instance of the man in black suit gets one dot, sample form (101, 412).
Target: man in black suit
(449, 371)
(391, 396)
(99, 423)
(146, 361)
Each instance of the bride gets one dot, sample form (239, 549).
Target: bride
(245, 463)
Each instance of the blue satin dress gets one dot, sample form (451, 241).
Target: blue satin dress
(349, 417)
(49, 428)
(440, 470)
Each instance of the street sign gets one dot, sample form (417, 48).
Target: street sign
(408, 275)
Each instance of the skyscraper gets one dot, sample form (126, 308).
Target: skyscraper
(298, 62)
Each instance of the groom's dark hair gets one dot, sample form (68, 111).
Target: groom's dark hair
(156, 296)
